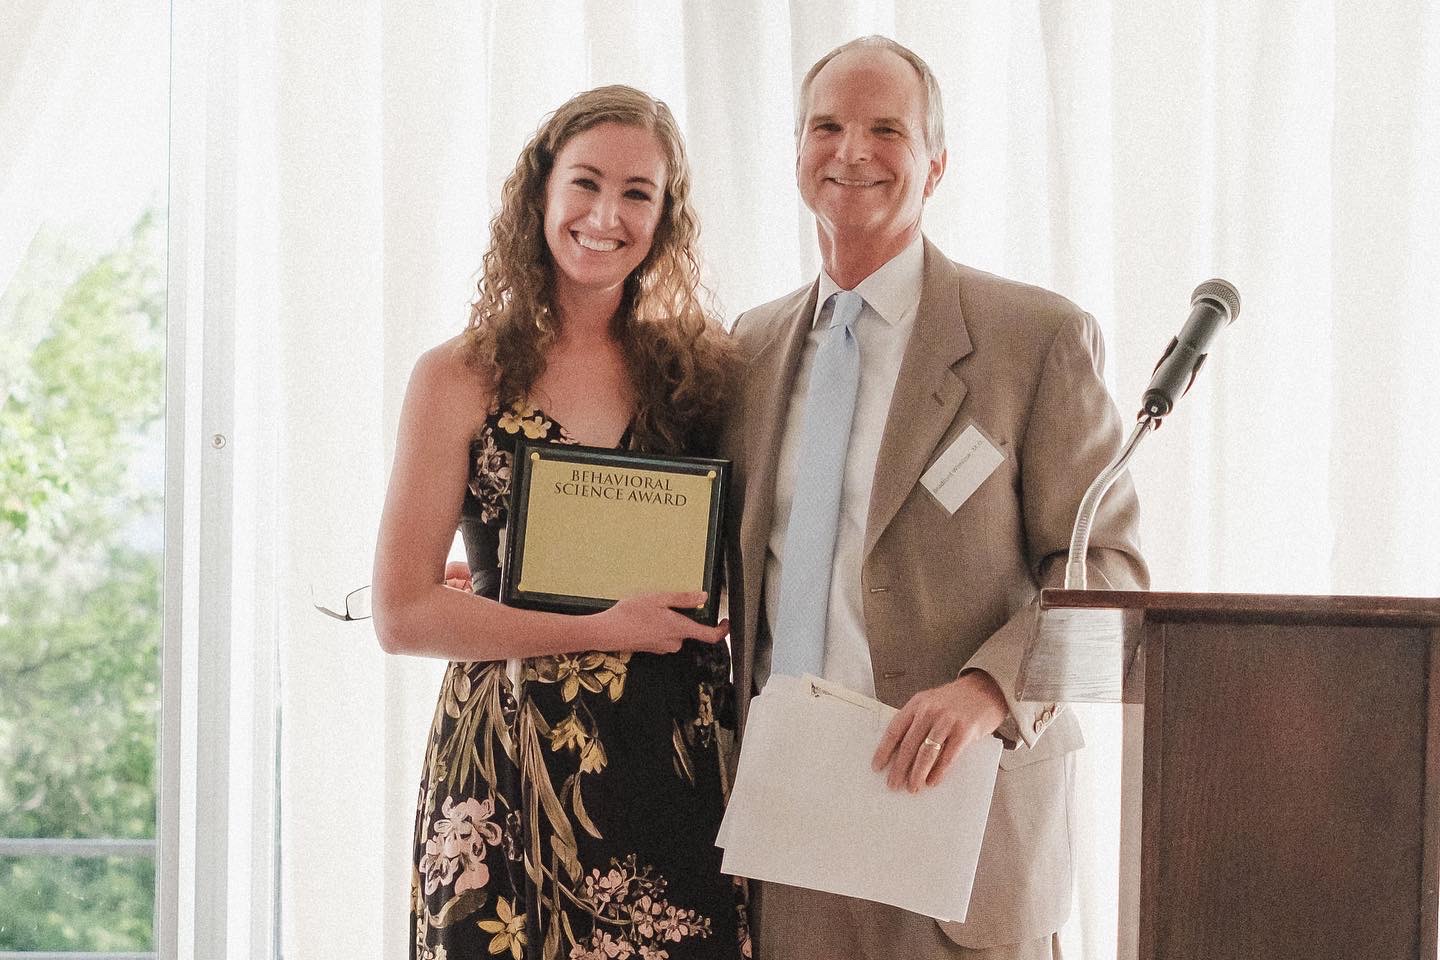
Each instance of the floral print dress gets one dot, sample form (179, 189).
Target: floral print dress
(572, 814)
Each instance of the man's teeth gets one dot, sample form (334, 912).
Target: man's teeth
(601, 246)
(854, 183)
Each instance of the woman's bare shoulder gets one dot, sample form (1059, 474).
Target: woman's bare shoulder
(448, 368)
(449, 361)
(447, 386)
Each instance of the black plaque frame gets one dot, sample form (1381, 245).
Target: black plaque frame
(512, 569)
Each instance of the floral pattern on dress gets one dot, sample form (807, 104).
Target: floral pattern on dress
(508, 928)
(516, 853)
(633, 918)
(492, 456)
(455, 852)
(527, 420)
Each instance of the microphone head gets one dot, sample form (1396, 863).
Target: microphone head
(1221, 292)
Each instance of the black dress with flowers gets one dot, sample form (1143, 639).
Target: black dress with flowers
(574, 815)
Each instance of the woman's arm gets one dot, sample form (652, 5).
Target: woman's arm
(415, 612)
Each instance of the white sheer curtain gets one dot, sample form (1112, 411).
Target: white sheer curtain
(1119, 153)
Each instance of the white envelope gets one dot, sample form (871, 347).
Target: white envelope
(807, 810)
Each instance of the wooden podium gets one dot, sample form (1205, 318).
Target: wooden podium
(1289, 772)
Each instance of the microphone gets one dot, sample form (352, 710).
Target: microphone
(1213, 306)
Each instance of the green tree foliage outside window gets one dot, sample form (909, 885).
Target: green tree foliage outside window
(81, 454)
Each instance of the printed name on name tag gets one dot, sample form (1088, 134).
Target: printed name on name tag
(962, 468)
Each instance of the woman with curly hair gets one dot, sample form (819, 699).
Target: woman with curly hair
(572, 785)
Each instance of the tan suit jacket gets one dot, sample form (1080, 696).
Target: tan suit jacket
(944, 593)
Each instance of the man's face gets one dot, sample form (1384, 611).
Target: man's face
(863, 168)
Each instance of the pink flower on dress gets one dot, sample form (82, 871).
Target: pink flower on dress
(602, 946)
(456, 851)
(646, 911)
(607, 889)
(676, 924)
(490, 479)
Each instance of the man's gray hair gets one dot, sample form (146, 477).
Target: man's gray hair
(934, 112)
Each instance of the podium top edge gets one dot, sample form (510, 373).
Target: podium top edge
(1158, 605)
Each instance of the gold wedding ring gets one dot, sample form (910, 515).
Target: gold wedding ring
(933, 744)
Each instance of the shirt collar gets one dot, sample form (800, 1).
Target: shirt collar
(890, 292)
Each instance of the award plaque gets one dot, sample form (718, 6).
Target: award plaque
(590, 526)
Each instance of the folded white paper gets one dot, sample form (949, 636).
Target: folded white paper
(807, 810)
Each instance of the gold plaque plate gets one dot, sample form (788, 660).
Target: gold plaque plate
(590, 526)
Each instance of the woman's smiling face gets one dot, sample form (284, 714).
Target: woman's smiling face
(603, 201)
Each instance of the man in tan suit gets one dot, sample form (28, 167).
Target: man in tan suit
(927, 596)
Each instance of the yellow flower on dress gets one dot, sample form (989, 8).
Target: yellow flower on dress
(524, 419)
(569, 732)
(510, 419)
(592, 757)
(509, 930)
(595, 671)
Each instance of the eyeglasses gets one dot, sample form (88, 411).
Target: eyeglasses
(356, 605)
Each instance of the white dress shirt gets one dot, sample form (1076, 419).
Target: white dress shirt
(891, 295)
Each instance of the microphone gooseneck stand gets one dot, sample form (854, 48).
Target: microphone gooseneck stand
(1080, 534)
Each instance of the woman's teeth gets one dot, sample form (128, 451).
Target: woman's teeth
(592, 243)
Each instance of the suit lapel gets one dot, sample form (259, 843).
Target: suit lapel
(927, 393)
(770, 381)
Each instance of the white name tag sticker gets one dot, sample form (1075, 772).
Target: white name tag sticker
(962, 468)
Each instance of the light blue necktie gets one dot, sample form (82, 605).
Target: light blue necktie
(799, 631)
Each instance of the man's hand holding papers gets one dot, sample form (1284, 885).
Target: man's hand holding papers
(927, 734)
(808, 809)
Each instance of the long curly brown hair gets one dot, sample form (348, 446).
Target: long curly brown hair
(680, 361)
